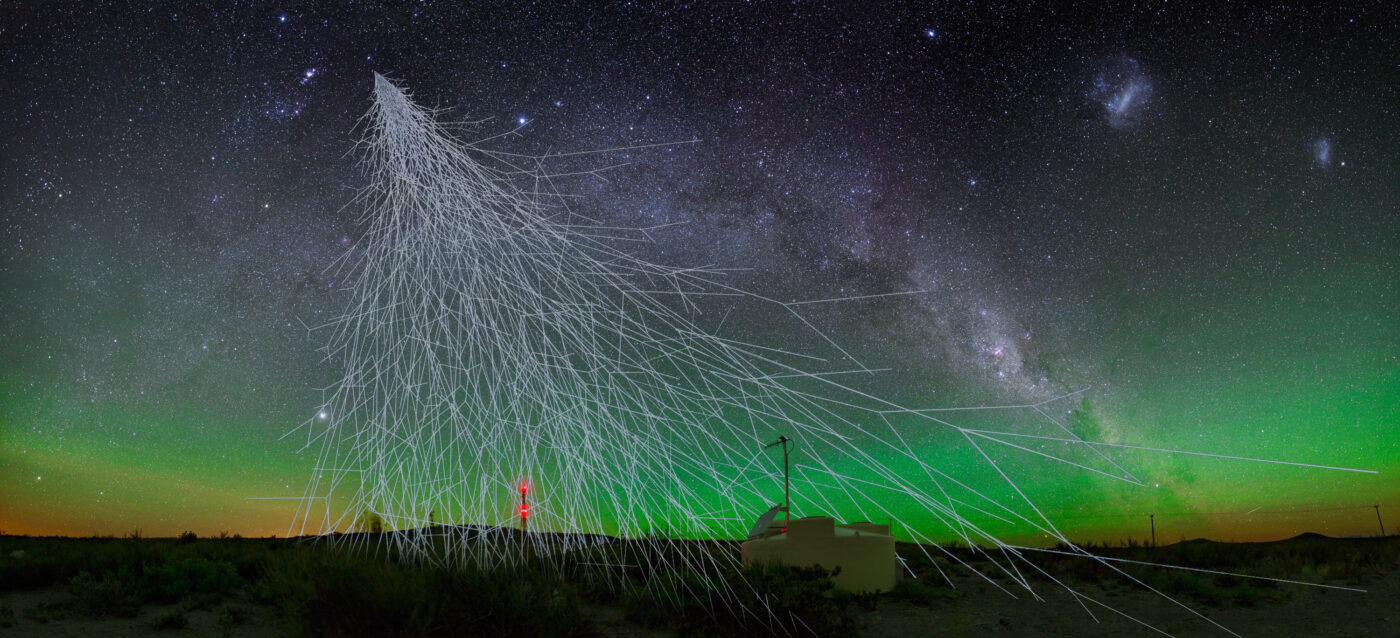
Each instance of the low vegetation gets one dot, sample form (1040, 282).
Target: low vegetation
(172, 619)
(1308, 558)
(317, 589)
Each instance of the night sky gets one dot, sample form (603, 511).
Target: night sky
(1190, 213)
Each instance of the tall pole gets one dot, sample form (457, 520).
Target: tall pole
(1152, 520)
(524, 509)
(787, 499)
(1378, 519)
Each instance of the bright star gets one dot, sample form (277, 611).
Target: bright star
(522, 120)
(930, 33)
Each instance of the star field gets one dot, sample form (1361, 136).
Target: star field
(1192, 212)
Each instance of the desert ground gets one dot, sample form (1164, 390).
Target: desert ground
(269, 587)
(1299, 611)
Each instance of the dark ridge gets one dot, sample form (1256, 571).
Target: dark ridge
(1194, 541)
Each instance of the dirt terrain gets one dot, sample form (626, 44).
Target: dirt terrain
(983, 610)
(1301, 611)
(1104, 602)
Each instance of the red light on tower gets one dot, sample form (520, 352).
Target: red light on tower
(524, 507)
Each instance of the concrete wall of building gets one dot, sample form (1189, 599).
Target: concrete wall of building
(863, 551)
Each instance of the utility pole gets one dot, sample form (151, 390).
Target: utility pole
(1378, 519)
(1152, 520)
(787, 502)
(524, 508)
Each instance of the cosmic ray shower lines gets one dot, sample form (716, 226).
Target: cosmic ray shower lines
(497, 345)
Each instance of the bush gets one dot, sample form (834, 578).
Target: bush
(758, 600)
(678, 601)
(341, 594)
(115, 594)
(190, 576)
(21, 570)
(802, 597)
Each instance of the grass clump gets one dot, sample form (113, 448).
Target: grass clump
(44, 613)
(920, 592)
(231, 617)
(173, 619)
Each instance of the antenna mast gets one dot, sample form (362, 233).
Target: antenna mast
(787, 502)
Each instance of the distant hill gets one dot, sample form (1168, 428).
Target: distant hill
(1194, 541)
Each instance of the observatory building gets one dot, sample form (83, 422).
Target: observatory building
(863, 551)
